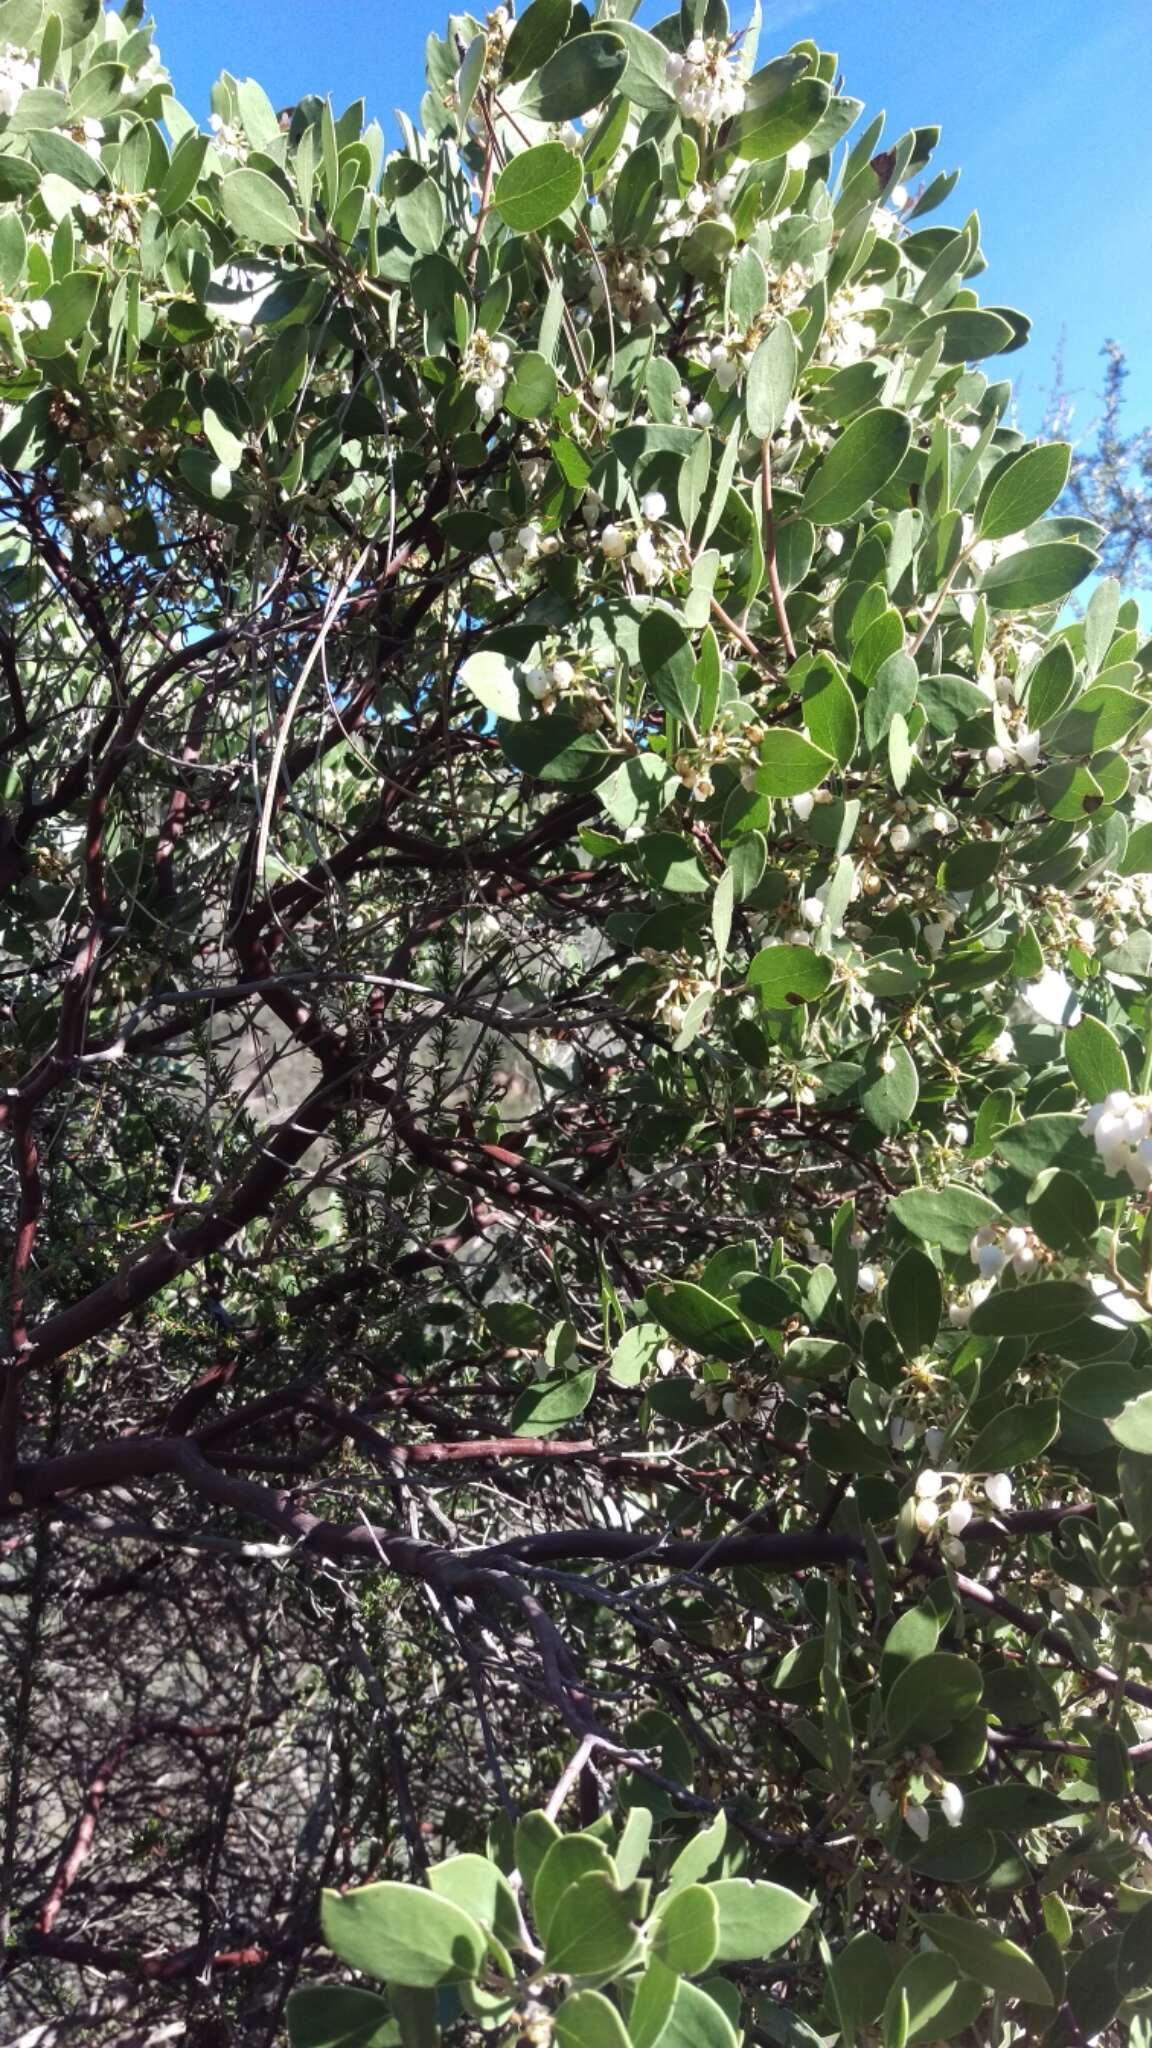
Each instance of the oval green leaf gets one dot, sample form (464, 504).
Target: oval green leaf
(537, 187)
(258, 210)
(857, 466)
(403, 1935)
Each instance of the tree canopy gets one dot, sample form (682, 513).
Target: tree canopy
(577, 977)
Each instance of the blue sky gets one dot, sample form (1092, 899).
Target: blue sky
(1043, 103)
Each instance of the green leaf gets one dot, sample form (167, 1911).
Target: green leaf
(258, 209)
(1051, 683)
(587, 2019)
(1103, 1390)
(949, 1216)
(535, 1835)
(339, 2016)
(538, 32)
(696, 2021)
(17, 177)
(645, 80)
(58, 156)
(1133, 1426)
(857, 466)
(77, 18)
(697, 1856)
(531, 390)
(420, 217)
(98, 93)
(1049, 1140)
(652, 2005)
(1031, 1310)
(830, 711)
(667, 861)
(402, 1934)
(257, 113)
(1062, 1211)
(762, 133)
(13, 251)
(988, 1957)
(477, 1885)
(640, 790)
(966, 334)
(594, 1932)
(566, 1859)
(790, 764)
(538, 186)
(183, 174)
(723, 904)
(1015, 1436)
(784, 976)
(684, 1931)
(581, 73)
(1038, 575)
(468, 78)
(416, 2012)
(668, 662)
(861, 1978)
(636, 1834)
(549, 1404)
(756, 1918)
(1137, 856)
(929, 1697)
(915, 1635)
(888, 1099)
(1009, 1808)
(1022, 489)
(972, 865)
(1101, 718)
(1134, 1963)
(934, 2001)
(492, 683)
(913, 1301)
(555, 747)
(697, 1319)
(226, 446)
(73, 302)
(1095, 1060)
(771, 381)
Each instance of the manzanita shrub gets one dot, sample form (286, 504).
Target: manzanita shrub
(579, 983)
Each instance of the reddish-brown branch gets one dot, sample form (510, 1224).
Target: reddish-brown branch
(171, 1967)
(27, 1223)
(169, 1256)
(79, 1844)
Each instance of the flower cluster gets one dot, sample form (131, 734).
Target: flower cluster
(705, 82)
(485, 364)
(1021, 750)
(948, 1521)
(682, 983)
(849, 334)
(88, 136)
(18, 75)
(694, 765)
(553, 679)
(229, 139)
(23, 314)
(886, 1804)
(649, 551)
(525, 544)
(98, 514)
(997, 1245)
(1121, 1128)
(628, 280)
